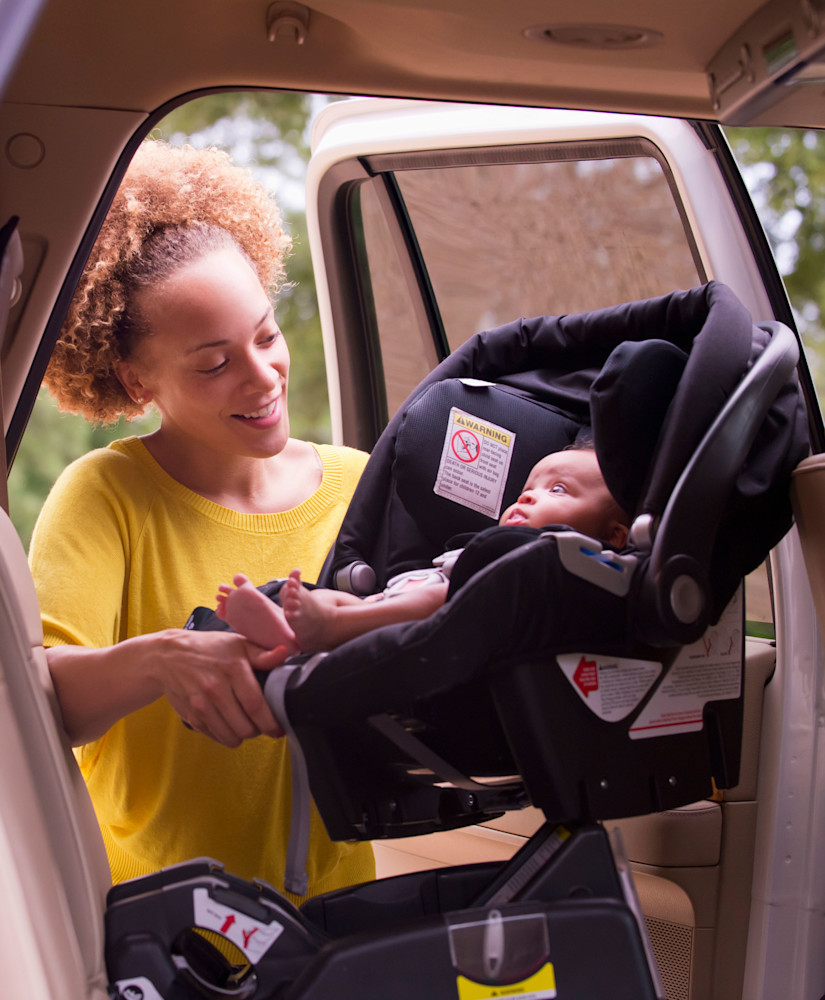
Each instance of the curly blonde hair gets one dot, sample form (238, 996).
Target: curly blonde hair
(175, 205)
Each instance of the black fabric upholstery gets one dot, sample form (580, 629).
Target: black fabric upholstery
(629, 401)
(539, 428)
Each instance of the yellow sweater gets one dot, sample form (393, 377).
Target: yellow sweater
(122, 549)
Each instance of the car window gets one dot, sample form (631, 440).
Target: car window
(557, 229)
(569, 230)
(759, 614)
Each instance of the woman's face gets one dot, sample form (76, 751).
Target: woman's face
(214, 361)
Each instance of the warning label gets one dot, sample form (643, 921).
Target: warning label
(610, 686)
(707, 670)
(475, 460)
(541, 986)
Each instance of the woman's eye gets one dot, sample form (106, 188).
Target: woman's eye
(215, 370)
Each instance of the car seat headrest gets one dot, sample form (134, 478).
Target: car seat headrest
(629, 401)
(455, 475)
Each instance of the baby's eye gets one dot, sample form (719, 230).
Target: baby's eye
(558, 488)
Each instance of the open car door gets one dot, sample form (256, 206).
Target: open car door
(429, 223)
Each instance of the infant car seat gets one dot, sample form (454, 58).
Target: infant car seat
(598, 691)
(685, 449)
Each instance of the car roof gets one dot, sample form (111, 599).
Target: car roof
(732, 61)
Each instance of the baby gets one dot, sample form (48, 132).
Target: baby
(563, 488)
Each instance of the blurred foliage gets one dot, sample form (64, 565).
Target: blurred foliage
(784, 170)
(53, 440)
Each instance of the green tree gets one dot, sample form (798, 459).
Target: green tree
(53, 440)
(785, 173)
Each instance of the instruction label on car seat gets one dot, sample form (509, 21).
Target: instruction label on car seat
(707, 670)
(253, 937)
(474, 463)
(610, 686)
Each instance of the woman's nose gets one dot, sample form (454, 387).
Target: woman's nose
(262, 373)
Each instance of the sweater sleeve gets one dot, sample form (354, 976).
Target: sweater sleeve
(79, 555)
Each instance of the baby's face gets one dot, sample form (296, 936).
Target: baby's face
(565, 488)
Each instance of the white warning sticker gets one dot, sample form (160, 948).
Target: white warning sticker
(707, 670)
(253, 937)
(610, 686)
(474, 463)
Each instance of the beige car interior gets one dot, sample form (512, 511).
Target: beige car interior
(95, 73)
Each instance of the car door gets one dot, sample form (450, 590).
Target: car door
(51, 927)
(429, 223)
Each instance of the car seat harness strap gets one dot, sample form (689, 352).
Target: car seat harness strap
(295, 875)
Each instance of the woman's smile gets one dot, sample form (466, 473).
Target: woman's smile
(264, 417)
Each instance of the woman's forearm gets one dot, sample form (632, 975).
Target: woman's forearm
(97, 687)
(207, 677)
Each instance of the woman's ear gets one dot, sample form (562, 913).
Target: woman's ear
(131, 381)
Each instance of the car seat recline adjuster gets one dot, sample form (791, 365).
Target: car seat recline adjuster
(585, 557)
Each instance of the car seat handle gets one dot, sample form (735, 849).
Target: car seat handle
(677, 576)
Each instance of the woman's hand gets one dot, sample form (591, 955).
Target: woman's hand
(207, 677)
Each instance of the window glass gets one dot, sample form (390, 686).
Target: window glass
(555, 234)
(524, 239)
(408, 353)
(759, 603)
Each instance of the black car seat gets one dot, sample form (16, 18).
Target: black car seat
(629, 702)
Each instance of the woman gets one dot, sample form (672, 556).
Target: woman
(173, 309)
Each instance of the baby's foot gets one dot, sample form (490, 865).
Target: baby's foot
(309, 613)
(254, 615)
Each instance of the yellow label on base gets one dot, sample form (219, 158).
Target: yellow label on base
(541, 986)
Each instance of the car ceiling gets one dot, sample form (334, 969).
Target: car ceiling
(645, 56)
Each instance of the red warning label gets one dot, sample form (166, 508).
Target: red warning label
(610, 686)
(586, 676)
(466, 447)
